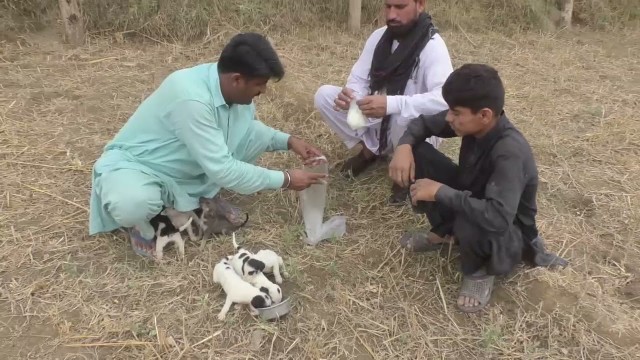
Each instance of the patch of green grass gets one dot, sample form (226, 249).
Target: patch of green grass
(491, 337)
(333, 268)
(293, 235)
(293, 269)
(71, 269)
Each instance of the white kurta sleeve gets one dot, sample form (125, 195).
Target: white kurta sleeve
(436, 67)
(358, 79)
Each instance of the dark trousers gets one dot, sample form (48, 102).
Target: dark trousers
(499, 253)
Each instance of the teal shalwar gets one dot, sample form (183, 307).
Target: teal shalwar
(181, 143)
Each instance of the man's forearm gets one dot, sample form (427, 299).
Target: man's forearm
(412, 106)
(423, 127)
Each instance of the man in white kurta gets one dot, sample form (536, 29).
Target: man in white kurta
(422, 94)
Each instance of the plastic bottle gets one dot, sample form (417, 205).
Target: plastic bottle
(312, 202)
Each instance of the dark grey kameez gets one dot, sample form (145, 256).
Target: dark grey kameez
(488, 200)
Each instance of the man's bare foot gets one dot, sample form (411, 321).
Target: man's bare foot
(475, 291)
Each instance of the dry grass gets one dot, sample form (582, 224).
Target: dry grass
(66, 295)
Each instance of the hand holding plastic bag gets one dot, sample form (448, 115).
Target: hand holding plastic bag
(355, 118)
(312, 203)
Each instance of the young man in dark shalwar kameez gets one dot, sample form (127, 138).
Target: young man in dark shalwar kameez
(487, 202)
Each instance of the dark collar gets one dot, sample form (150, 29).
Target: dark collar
(494, 134)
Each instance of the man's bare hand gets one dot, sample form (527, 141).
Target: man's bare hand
(374, 106)
(344, 99)
(305, 150)
(424, 190)
(301, 179)
(402, 169)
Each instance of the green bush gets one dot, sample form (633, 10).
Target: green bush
(191, 19)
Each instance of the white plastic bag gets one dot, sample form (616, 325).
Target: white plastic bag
(312, 203)
(355, 118)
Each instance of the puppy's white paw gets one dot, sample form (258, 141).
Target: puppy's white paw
(221, 317)
(278, 280)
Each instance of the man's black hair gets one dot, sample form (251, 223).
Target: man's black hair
(474, 86)
(252, 56)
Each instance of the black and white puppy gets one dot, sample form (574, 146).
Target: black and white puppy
(250, 269)
(273, 263)
(238, 291)
(182, 220)
(166, 232)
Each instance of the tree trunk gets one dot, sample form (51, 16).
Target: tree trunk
(355, 11)
(74, 31)
(566, 13)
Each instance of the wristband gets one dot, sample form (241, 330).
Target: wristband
(288, 179)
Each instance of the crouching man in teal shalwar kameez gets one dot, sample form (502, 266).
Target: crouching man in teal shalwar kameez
(194, 135)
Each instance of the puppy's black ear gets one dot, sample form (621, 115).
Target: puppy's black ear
(258, 302)
(256, 264)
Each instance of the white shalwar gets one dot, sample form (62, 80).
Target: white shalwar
(422, 95)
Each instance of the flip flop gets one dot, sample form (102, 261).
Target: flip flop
(141, 246)
(399, 196)
(418, 242)
(477, 287)
(545, 258)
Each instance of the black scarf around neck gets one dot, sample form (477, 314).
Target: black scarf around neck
(392, 70)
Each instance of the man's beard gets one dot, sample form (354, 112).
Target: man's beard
(400, 31)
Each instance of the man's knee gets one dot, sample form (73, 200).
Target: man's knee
(432, 164)
(133, 206)
(425, 157)
(324, 97)
(424, 151)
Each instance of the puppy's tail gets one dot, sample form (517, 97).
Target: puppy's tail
(235, 244)
(187, 224)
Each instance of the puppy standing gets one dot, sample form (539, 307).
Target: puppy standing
(182, 220)
(245, 265)
(167, 232)
(238, 291)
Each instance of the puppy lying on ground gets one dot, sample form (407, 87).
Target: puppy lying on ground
(250, 268)
(238, 291)
(167, 232)
(272, 264)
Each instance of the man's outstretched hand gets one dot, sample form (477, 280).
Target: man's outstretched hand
(305, 150)
(301, 179)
